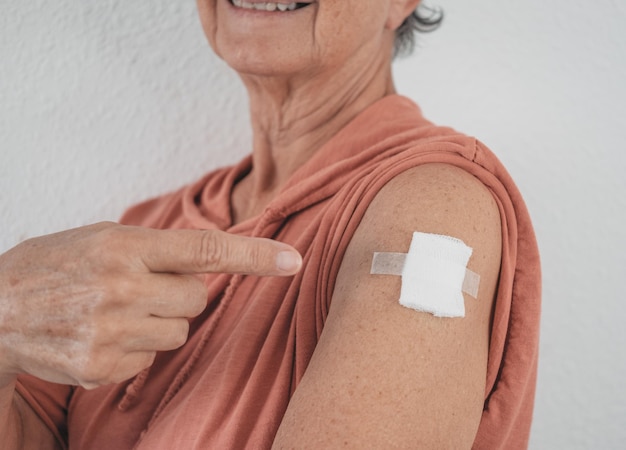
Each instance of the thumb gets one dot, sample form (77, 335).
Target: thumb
(195, 251)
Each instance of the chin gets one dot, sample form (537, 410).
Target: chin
(262, 69)
(265, 62)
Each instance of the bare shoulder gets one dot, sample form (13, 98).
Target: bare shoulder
(386, 376)
(434, 198)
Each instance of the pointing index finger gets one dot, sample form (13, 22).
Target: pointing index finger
(214, 251)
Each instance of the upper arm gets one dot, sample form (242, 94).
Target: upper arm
(384, 376)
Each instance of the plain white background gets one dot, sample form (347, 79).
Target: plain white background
(105, 103)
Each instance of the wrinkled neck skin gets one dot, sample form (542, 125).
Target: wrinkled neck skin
(292, 117)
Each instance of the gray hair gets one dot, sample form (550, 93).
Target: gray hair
(424, 19)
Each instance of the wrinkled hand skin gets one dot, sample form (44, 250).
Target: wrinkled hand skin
(93, 305)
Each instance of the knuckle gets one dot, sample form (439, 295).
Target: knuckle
(99, 251)
(117, 290)
(109, 245)
(106, 235)
(210, 252)
(104, 225)
(100, 227)
(115, 238)
(254, 257)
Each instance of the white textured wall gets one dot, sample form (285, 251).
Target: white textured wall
(104, 103)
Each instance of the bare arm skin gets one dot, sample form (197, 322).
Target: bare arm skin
(93, 305)
(384, 376)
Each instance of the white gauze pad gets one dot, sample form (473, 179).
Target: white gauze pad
(434, 274)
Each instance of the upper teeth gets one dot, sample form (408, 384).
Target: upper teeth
(265, 6)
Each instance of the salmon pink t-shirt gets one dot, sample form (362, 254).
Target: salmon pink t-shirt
(228, 387)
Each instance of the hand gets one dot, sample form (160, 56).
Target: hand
(93, 305)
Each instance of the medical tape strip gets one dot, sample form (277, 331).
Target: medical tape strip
(434, 274)
(393, 263)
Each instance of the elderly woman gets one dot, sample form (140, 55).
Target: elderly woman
(139, 337)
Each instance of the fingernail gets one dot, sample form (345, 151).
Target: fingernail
(288, 261)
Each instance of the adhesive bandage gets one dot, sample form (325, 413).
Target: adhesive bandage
(434, 274)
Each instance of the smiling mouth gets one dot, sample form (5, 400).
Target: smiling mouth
(269, 6)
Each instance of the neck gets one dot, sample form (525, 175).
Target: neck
(291, 119)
